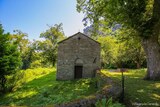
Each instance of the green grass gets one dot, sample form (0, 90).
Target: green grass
(38, 87)
(138, 90)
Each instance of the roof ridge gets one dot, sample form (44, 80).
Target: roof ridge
(76, 34)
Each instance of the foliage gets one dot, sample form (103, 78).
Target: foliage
(31, 52)
(49, 46)
(140, 16)
(104, 29)
(109, 103)
(109, 51)
(36, 57)
(120, 47)
(137, 90)
(133, 13)
(36, 64)
(22, 41)
(34, 53)
(101, 103)
(119, 53)
(131, 53)
(9, 59)
(41, 84)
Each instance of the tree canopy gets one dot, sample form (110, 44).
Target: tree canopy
(141, 16)
(49, 46)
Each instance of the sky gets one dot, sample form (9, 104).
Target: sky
(33, 16)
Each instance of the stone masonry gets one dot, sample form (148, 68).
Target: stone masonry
(78, 57)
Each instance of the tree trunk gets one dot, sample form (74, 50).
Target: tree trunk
(138, 64)
(151, 45)
(152, 50)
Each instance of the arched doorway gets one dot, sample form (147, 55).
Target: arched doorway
(78, 68)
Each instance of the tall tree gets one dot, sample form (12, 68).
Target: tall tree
(9, 58)
(49, 46)
(143, 16)
(20, 38)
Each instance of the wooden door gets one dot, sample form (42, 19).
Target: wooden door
(78, 72)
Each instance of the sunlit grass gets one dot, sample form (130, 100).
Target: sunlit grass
(136, 89)
(39, 88)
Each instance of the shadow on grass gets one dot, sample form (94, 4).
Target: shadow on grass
(47, 91)
(142, 91)
(138, 90)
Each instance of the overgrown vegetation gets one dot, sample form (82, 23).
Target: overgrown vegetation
(109, 103)
(137, 90)
(39, 87)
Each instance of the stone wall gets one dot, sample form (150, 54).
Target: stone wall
(76, 47)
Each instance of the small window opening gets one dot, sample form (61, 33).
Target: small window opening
(94, 61)
(79, 38)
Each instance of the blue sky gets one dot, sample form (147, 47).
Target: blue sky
(32, 16)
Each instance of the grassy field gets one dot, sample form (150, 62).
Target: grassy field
(39, 87)
(137, 90)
